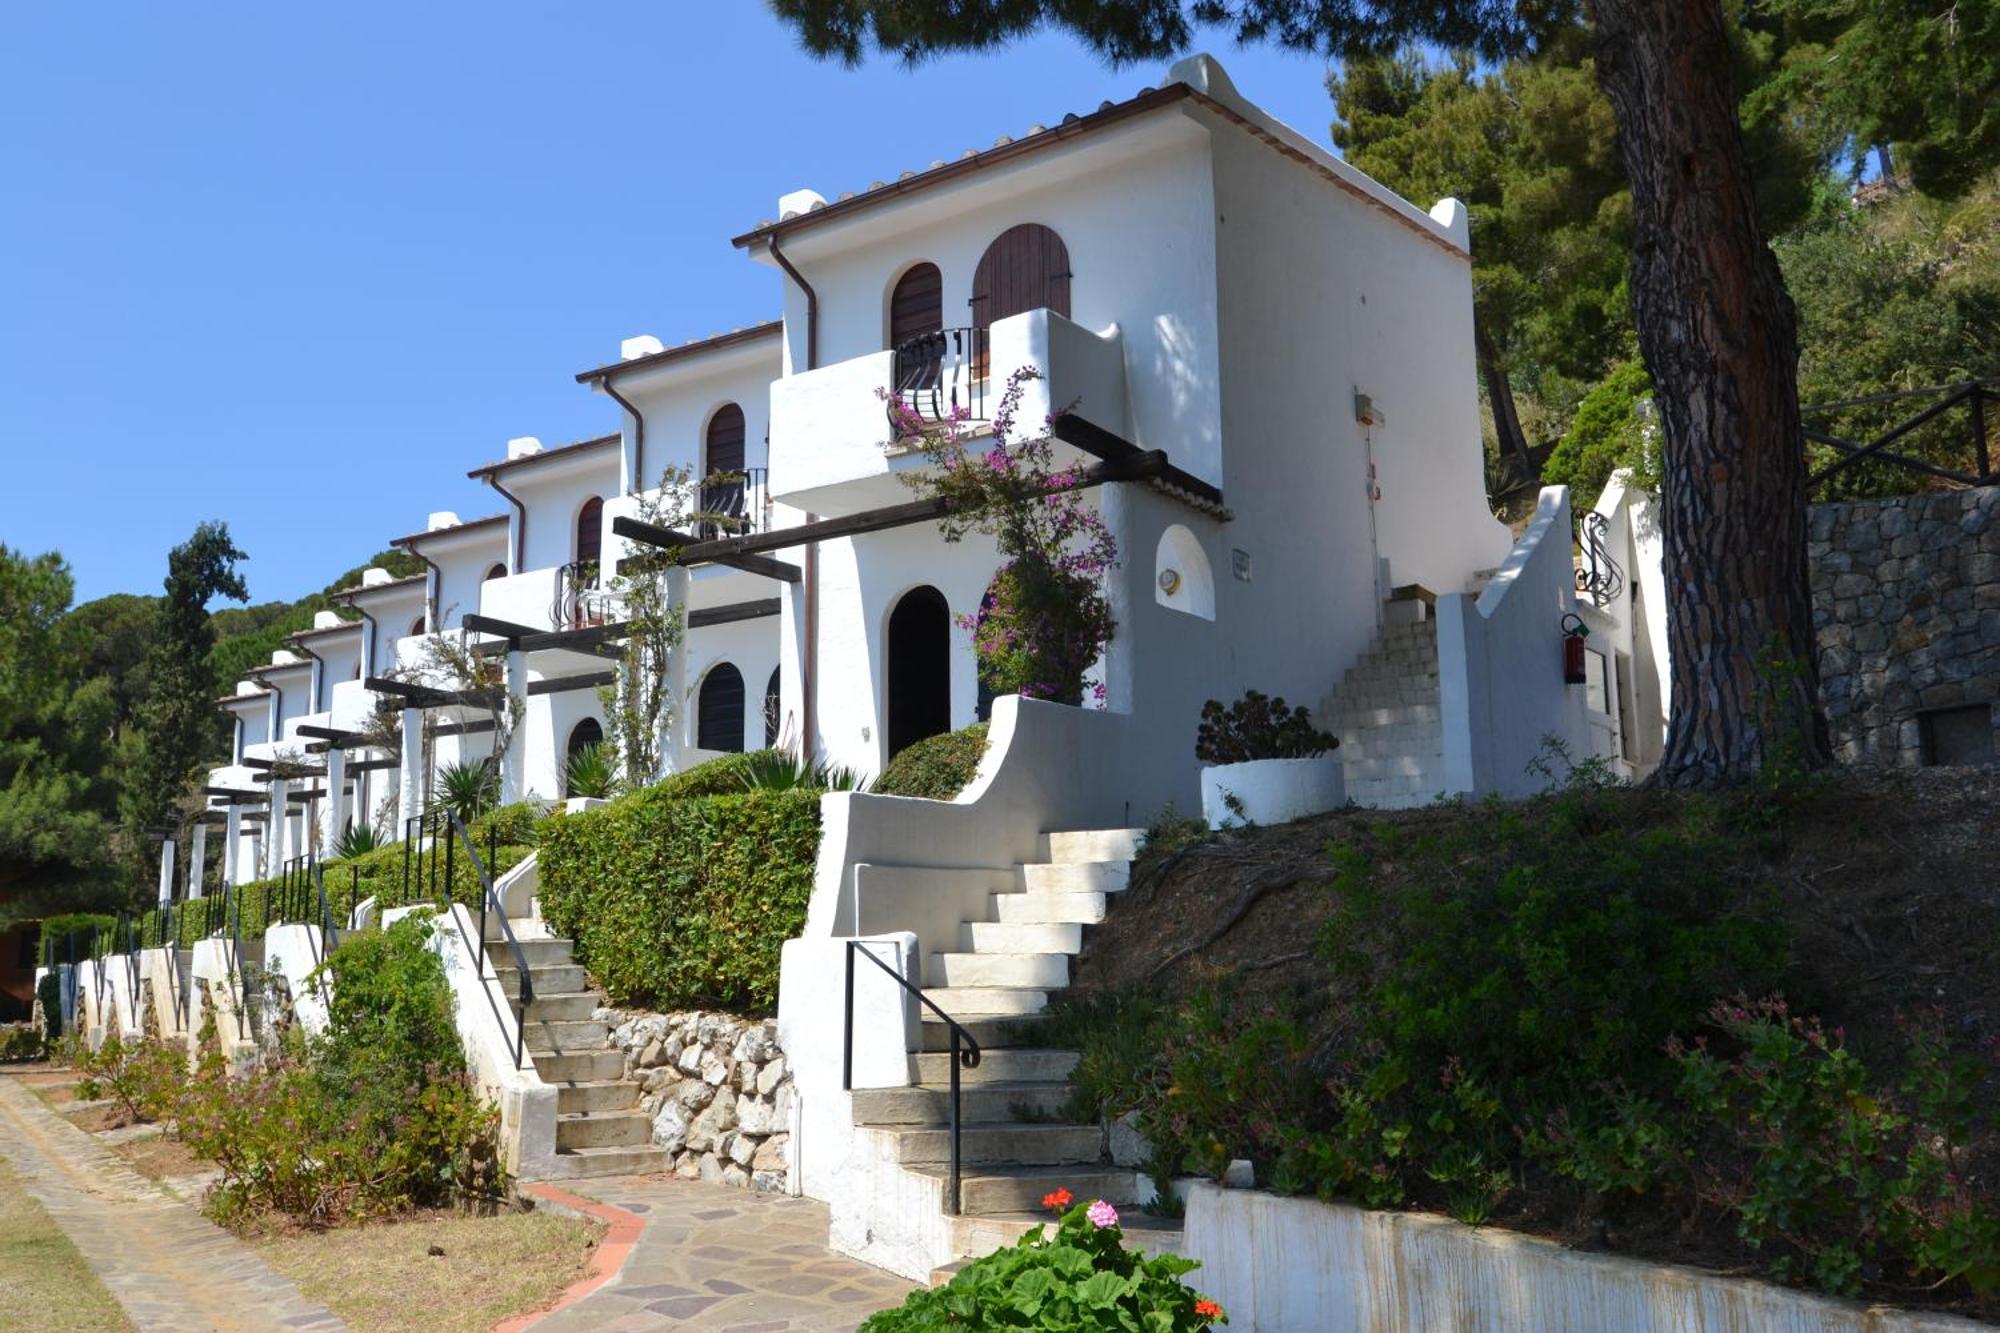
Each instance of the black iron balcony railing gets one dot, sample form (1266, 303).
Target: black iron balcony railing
(580, 601)
(734, 504)
(939, 376)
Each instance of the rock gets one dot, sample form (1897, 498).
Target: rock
(717, 1119)
(714, 1069)
(710, 1026)
(741, 1149)
(692, 1095)
(711, 1167)
(735, 1175)
(745, 1079)
(689, 1168)
(690, 1061)
(781, 1105)
(1239, 1175)
(1128, 1146)
(769, 1182)
(755, 1045)
(673, 1048)
(652, 1055)
(658, 1080)
(670, 1128)
(771, 1154)
(754, 1116)
(771, 1076)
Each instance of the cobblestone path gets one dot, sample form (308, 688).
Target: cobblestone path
(170, 1267)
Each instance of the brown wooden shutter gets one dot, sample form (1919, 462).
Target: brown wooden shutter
(916, 307)
(590, 530)
(1026, 268)
(725, 440)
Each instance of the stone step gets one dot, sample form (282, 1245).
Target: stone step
(1001, 1064)
(968, 971)
(585, 1034)
(992, 1032)
(577, 1163)
(1077, 877)
(1004, 1145)
(982, 1233)
(1020, 937)
(1390, 715)
(539, 953)
(579, 1066)
(603, 1129)
(557, 979)
(979, 1103)
(583, 1098)
(986, 1001)
(1106, 844)
(1049, 909)
(573, 1007)
(990, 1191)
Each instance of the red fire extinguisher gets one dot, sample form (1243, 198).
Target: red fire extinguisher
(1574, 632)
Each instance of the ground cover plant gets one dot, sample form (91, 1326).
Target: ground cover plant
(1079, 1277)
(1750, 1030)
(44, 1282)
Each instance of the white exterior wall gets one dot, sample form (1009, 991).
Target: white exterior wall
(462, 561)
(553, 494)
(751, 646)
(680, 397)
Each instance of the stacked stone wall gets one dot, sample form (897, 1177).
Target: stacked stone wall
(718, 1089)
(1906, 603)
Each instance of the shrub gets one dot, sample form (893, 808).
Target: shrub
(591, 771)
(20, 1041)
(1604, 436)
(469, 787)
(357, 840)
(1082, 1277)
(783, 770)
(48, 991)
(1258, 727)
(937, 767)
(144, 1077)
(57, 931)
(721, 776)
(677, 902)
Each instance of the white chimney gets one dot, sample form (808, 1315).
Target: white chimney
(285, 657)
(522, 446)
(441, 519)
(644, 344)
(799, 201)
(327, 620)
(375, 576)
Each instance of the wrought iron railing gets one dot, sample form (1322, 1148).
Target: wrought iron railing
(1598, 575)
(964, 1054)
(939, 376)
(430, 843)
(734, 504)
(580, 601)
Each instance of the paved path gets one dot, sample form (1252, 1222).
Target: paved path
(725, 1260)
(171, 1268)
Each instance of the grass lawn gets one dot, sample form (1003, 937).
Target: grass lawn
(44, 1283)
(492, 1267)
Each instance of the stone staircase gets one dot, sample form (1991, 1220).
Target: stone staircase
(600, 1129)
(1386, 713)
(1017, 1142)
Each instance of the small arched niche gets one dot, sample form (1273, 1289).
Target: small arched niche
(1182, 580)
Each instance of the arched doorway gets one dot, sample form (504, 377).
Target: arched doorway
(1026, 268)
(581, 737)
(772, 709)
(919, 668)
(719, 710)
(722, 478)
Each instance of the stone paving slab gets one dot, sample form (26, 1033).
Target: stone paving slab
(170, 1267)
(725, 1260)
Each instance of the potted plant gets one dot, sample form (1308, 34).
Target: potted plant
(1265, 763)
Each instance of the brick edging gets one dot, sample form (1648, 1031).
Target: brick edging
(621, 1236)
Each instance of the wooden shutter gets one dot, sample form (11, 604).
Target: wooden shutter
(725, 440)
(916, 307)
(590, 531)
(1026, 268)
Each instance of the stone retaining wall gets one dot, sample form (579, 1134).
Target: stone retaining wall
(719, 1091)
(1906, 602)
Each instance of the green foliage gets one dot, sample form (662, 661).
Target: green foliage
(48, 992)
(783, 770)
(724, 775)
(1082, 1277)
(937, 767)
(679, 902)
(591, 771)
(143, 1077)
(20, 1041)
(58, 930)
(1607, 433)
(1258, 727)
(357, 839)
(468, 788)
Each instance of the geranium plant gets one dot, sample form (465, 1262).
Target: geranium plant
(1081, 1277)
(1044, 619)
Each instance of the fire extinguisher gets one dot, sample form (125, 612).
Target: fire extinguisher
(1574, 632)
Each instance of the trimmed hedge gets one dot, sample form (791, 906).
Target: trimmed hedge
(728, 775)
(937, 767)
(57, 929)
(679, 902)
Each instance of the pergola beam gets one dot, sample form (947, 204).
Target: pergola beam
(735, 611)
(590, 680)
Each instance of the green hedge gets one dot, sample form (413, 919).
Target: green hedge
(678, 902)
(56, 929)
(937, 767)
(728, 775)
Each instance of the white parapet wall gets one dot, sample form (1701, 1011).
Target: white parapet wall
(294, 951)
(215, 990)
(486, 1027)
(160, 990)
(1299, 1266)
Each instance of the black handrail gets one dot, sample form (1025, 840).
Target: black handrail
(1599, 575)
(456, 832)
(967, 1058)
(580, 601)
(941, 375)
(732, 503)
(132, 972)
(98, 972)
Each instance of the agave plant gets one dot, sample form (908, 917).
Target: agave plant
(785, 770)
(592, 772)
(468, 788)
(356, 839)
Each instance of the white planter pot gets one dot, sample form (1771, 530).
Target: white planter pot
(1272, 791)
(576, 805)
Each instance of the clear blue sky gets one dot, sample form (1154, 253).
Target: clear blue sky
(298, 268)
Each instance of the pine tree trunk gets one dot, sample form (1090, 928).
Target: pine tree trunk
(1500, 396)
(1717, 332)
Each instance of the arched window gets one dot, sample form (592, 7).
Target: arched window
(496, 572)
(589, 531)
(581, 737)
(416, 627)
(722, 453)
(916, 305)
(773, 707)
(719, 710)
(919, 668)
(1026, 268)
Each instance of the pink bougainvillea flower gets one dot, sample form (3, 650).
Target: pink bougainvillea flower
(1102, 1214)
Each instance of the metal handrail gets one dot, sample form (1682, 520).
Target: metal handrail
(941, 375)
(967, 1058)
(580, 601)
(328, 932)
(1599, 575)
(456, 832)
(132, 943)
(733, 503)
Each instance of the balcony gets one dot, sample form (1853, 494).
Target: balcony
(833, 449)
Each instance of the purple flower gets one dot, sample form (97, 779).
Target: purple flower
(1102, 1214)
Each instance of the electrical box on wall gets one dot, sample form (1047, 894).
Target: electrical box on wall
(1366, 412)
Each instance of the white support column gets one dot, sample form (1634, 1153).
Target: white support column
(167, 870)
(277, 827)
(670, 741)
(198, 855)
(232, 844)
(514, 762)
(333, 809)
(412, 769)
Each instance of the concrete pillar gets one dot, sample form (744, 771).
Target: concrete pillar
(670, 741)
(198, 856)
(412, 770)
(167, 870)
(232, 844)
(277, 828)
(334, 809)
(514, 761)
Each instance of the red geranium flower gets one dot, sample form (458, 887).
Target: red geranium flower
(1207, 1308)
(1058, 1200)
